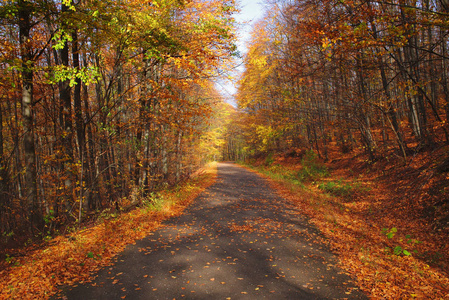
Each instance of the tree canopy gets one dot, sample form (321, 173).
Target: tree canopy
(359, 73)
(102, 101)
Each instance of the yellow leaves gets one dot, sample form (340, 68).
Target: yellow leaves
(325, 43)
(155, 3)
(259, 62)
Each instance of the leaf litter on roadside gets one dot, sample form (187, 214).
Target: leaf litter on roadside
(72, 260)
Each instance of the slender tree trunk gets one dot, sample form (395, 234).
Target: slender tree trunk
(79, 124)
(67, 135)
(90, 155)
(32, 202)
(142, 137)
(121, 150)
(5, 198)
(444, 82)
(66, 103)
(17, 155)
(178, 156)
(164, 155)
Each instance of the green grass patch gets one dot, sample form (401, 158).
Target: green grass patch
(337, 188)
(312, 169)
(154, 202)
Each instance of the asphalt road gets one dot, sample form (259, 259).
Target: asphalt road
(238, 240)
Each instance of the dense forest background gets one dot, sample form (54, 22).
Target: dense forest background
(362, 79)
(103, 102)
(361, 73)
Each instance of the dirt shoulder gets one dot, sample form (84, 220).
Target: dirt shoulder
(73, 259)
(378, 221)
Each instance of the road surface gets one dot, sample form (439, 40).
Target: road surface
(238, 240)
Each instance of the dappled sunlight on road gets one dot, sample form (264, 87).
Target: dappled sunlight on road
(238, 240)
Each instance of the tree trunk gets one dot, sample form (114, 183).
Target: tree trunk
(67, 135)
(79, 124)
(444, 82)
(66, 103)
(5, 198)
(32, 203)
(90, 158)
(179, 157)
(164, 155)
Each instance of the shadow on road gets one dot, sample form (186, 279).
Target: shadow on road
(238, 240)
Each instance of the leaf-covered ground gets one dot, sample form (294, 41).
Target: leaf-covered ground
(69, 260)
(375, 218)
(237, 240)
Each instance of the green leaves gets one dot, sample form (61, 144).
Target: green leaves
(406, 252)
(60, 73)
(399, 250)
(90, 254)
(389, 232)
(61, 38)
(69, 4)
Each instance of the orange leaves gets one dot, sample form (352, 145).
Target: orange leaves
(354, 230)
(73, 259)
(148, 100)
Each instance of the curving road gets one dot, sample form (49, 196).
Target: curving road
(238, 240)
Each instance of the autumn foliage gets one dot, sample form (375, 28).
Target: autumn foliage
(348, 77)
(102, 102)
(368, 74)
(37, 273)
(363, 85)
(105, 103)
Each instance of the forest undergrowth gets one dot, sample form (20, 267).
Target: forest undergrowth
(385, 220)
(71, 259)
